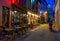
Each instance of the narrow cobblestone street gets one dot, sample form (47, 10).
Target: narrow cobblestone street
(29, 20)
(41, 33)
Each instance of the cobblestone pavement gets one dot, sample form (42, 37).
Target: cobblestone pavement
(41, 33)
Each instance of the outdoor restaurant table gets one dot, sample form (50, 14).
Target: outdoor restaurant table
(17, 27)
(9, 31)
(24, 27)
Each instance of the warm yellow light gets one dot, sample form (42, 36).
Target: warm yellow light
(37, 16)
(45, 13)
(12, 12)
(32, 14)
(29, 13)
(15, 11)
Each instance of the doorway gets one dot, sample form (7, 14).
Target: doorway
(5, 16)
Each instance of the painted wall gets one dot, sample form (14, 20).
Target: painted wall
(57, 6)
(57, 15)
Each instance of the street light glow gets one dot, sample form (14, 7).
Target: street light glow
(45, 12)
(32, 14)
(15, 11)
(37, 15)
(29, 13)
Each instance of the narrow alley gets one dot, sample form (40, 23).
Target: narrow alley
(41, 33)
(29, 20)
